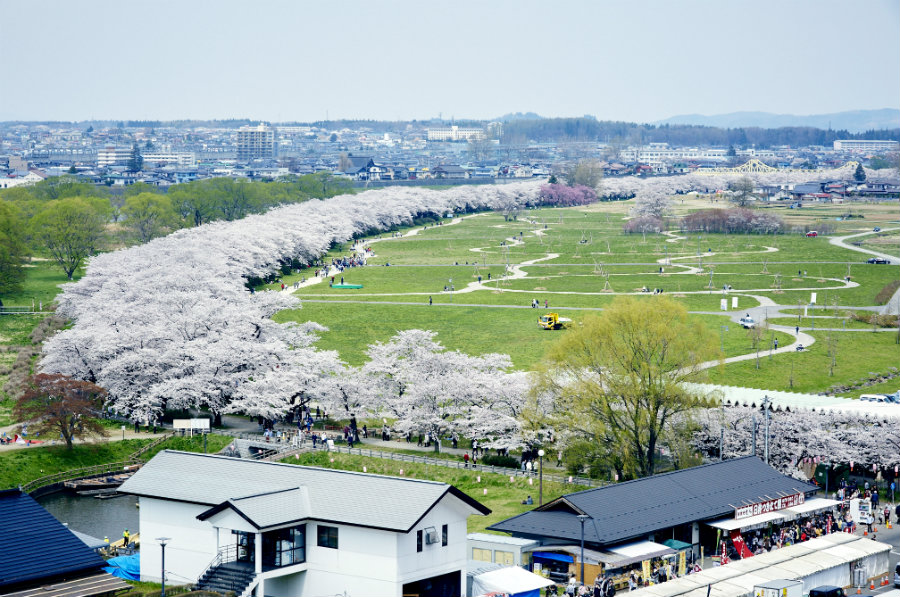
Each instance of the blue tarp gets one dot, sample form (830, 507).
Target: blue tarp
(127, 567)
(553, 556)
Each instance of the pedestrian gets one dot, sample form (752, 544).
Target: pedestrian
(429, 300)
(466, 459)
(365, 431)
(797, 329)
(776, 343)
(546, 304)
(126, 536)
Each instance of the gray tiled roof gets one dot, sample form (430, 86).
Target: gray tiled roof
(268, 509)
(360, 499)
(643, 506)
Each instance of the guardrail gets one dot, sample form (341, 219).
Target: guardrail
(150, 446)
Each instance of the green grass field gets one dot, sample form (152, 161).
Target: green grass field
(503, 497)
(22, 465)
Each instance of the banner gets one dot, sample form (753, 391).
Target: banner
(682, 563)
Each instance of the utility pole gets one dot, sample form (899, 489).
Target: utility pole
(766, 403)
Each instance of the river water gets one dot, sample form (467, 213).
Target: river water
(98, 518)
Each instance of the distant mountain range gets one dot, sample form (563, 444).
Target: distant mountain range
(854, 121)
(519, 116)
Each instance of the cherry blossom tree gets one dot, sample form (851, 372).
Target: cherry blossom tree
(424, 388)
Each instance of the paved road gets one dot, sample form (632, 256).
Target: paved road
(839, 242)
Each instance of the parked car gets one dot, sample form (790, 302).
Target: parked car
(827, 591)
(812, 234)
(747, 322)
(879, 261)
(873, 398)
(876, 229)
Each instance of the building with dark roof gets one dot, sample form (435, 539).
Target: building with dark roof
(39, 554)
(688, 507)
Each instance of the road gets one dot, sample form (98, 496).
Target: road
(839, 242)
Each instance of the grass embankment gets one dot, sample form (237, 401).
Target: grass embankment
(21, 466)
(503, 497)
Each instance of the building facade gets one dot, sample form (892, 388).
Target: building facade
(455, 133)
(256, 143)
(865, 145)
(293, 530)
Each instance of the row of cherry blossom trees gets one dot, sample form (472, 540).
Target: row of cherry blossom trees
(171, 324)
(799, 435)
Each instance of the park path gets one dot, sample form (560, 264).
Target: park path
(115, 435)
(839, 242)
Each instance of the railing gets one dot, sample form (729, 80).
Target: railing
(223, 556)
(77, 473)
(150, 446)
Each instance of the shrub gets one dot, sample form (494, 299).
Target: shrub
(504, 461)
(643, 224)
(736, 220)
(560, 195)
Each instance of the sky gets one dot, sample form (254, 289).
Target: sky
(295, 60)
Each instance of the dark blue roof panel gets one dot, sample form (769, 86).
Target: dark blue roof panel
(644, 506)
(34, 545)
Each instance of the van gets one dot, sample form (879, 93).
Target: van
(897, 576)
(873, 398)
(827, 591)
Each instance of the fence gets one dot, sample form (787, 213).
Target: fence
(448, 463)
(92, 471)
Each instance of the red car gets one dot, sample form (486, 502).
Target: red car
(812, 234)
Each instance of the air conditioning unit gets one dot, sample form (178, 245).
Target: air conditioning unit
(431, 536)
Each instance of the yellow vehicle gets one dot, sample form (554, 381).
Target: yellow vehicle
(552, 321)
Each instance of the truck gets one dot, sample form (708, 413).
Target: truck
(552, 321)
(779, 588)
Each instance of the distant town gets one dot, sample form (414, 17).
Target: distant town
(378, 153)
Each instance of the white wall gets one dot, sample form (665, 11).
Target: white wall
(191, 546)
(435, 559)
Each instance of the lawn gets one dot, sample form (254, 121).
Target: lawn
(858, 355)
(20, 466)
(503, 497)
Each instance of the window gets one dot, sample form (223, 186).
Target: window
(444, 536)
(504, 557)
(327, 537)
(482, 555)
(284, 547)
(419, 541)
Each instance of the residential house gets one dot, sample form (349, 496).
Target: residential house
(275, 529)
(449, 171)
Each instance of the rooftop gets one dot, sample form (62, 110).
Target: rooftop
(269, 493)
(637, 508)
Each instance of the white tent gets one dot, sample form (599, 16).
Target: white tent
(512, 580)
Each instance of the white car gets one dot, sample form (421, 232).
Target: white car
(747, 322)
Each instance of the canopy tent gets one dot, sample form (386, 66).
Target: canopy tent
(747, 524)
(642, 550)
(515, 581)
(676, 544)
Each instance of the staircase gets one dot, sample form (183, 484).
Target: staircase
(232, 577)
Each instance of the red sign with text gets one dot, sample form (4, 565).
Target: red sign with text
(767, 506)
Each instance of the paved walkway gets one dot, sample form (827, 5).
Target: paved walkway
(839, 242)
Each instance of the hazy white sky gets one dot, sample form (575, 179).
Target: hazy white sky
(282, 60)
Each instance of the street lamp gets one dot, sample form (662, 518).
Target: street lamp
(162, 543)
(541, 477)
(582, 518)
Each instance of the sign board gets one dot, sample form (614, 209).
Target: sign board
(734, 302)
(199, 425)
(724, 304)
(812, 298)
(769, 506)
(190, 424)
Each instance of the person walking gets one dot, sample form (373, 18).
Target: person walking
(429, 300)
(466, 459)
(126, 536)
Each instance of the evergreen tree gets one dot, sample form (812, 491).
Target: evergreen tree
(860, 174)
(136, 161)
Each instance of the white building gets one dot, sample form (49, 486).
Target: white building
(113, 156)
(182, 159)
(256, 142)
(263, 528)
(455, 133)
(865, 145)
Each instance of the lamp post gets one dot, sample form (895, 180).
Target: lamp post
(582, 518)
(162, 543)
(541, 477)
